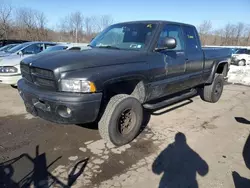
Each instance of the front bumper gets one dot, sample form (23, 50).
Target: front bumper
(51, 105)
(11, 80)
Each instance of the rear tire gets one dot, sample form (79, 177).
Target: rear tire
(242, 62)
(212, 93)
(122, 120)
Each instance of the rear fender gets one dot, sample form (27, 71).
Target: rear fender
(214, 70)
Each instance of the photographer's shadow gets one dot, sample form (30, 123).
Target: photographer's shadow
(179, 165)
(240, 181)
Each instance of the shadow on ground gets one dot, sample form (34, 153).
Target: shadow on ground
(242, 120)
(16, 176)
(239, 181)
(179, 164)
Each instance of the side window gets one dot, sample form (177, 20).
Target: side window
(172, 31)
(48, 45)
(192, 42)
(33, 49)
(248, 52)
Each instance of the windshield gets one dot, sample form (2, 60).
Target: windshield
(241, 51)
(17, 48)
(54, 48)
(127, 36)
(7, 47)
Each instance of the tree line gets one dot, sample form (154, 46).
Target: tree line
(230, 35)
(30, 24)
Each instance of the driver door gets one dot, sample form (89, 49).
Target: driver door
(169, 69)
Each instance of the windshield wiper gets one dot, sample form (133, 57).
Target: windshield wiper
(110, 47)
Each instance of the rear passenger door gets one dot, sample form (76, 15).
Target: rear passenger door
(194, 56)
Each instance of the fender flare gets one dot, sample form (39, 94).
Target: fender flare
(139, 91)
(215, 67)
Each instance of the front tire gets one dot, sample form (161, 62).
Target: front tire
(122, 119)
(212, 93)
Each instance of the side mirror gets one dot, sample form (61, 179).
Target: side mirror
(167, 43)
(20, 53)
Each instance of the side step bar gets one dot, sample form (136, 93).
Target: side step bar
(171, 100)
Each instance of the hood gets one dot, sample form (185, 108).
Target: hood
(4, 54)
(71, 60)
(11, 60)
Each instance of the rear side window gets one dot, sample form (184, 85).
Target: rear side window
(48, 45)
(248, 52)
(192, 42)
(172, 31)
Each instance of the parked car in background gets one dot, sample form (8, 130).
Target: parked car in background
(55, 48)
(10, 61)
(241, 57)
(7, 47)
(6, 42)
(27, 48)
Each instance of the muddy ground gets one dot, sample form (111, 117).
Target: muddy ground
(189, 144)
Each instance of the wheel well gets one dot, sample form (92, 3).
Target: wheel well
(222, 69)
(130, 87)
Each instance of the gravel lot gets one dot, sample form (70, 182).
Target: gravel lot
(191, 143)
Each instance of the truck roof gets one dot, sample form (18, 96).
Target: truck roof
(156, 22)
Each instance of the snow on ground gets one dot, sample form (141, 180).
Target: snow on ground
(239, 75)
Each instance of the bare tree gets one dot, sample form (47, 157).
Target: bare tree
(89, 25)
(228, 34)
(204, 30)
(71, 26)
(103, 22)
(76, 24)
(31, 24)
(239, 32)
(41, 22)
(246, 36)
(216, 37)
(5, 20)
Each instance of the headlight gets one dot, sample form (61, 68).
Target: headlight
(8, 69)
(78, 86)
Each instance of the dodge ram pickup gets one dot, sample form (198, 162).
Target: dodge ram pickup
(127, 67)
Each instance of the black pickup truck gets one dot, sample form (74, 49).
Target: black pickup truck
(127, 67)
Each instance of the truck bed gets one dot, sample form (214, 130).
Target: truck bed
(216, 53)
